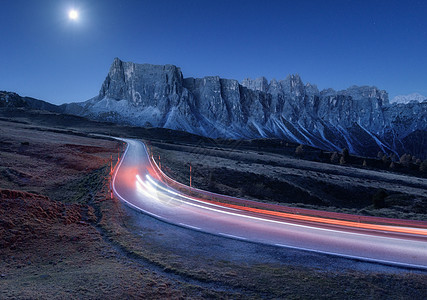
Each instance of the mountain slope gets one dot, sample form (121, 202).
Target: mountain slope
(8, 99)
(358, 118)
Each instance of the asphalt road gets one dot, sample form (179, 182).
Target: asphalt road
(138, 182)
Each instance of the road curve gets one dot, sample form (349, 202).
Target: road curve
(138, 182)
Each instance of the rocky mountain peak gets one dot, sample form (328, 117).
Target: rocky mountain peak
(358, 118)
(258, 84)
(141, 83)
(311, 89)
(292, 85)
(372, 93)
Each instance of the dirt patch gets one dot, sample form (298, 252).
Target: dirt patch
(27, 216)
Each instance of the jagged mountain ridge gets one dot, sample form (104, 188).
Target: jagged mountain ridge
(408, 98)
(358, 118)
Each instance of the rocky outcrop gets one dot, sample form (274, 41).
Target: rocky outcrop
(358, 118)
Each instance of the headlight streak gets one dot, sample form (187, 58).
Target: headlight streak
(147, 189)
(184, 196)
(146, 185)
(423, 232)
(143, 191)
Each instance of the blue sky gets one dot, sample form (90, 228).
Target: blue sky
(329, 43)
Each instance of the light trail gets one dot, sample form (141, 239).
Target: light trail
(139, 182)
(294, 211)
(293, 216)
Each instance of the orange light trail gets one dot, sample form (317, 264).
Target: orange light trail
(396, 229)
(325, 221)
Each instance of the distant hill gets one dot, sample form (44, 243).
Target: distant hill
(10, 99)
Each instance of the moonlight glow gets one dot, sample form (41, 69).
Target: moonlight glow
(73, 14)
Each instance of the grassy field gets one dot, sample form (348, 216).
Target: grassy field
(62, 236)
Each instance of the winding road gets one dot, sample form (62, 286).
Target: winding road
(139, 182)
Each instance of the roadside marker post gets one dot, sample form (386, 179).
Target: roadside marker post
(111, 177)
(111, 165)
(190, 175)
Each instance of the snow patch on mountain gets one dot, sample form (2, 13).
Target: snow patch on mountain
(408, 98)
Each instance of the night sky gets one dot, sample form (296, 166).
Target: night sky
(46, 55)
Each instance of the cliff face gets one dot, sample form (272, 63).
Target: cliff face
(142, 84)
(359, 118)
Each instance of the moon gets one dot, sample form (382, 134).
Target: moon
(73, 14)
